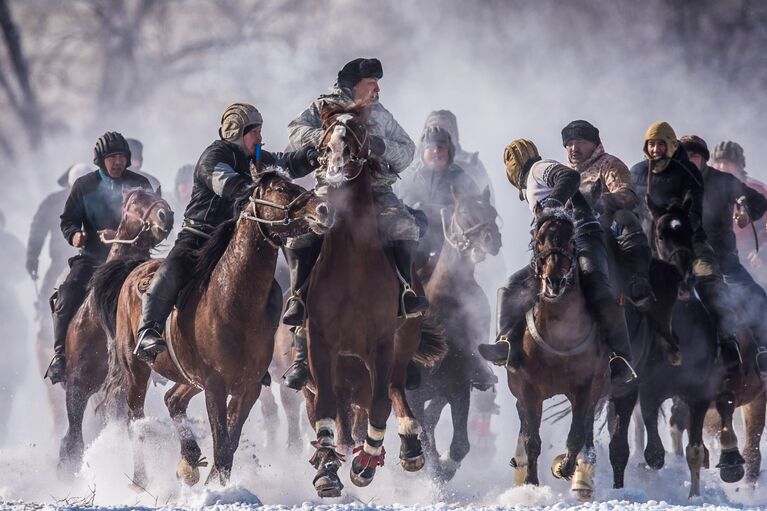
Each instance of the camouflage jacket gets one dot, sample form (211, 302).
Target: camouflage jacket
(615, 178)
(306, 129)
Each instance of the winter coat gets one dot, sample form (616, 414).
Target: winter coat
(46, 222)
(223, 174)
(306, 130)
(95, 203)
(678, 177)
(614, 176)
(721, 191)
(549, 179)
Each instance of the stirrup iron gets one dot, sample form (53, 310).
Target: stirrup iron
(615, 356)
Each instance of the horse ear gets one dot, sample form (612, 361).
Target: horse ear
(687, 202)
(486, 194)
(655, 210)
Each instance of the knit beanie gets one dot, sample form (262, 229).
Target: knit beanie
(580, 129)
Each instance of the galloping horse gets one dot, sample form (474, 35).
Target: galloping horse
(352, 305)
(562, 354)
(464, 311)
(221, 340)
(146, 221)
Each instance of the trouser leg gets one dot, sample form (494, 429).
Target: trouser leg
(404, 251)
(634, 255)
(301, 259)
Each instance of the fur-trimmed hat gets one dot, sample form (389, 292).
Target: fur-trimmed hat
(434, 135)
(357, 69)
(695, 144)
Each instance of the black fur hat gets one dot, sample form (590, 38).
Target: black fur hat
(354, 71)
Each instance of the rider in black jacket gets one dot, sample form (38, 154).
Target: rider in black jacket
(222, 175)
(94, 204)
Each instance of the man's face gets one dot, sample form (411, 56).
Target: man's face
(251, 139)
(656, 148)
(366, 91)
(436, 156)
(115, 164)
(698, 160)
(579, 150)
(726, 166)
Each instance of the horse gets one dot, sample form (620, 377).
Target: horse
(352, 305)
(221, 339)
(458, 301)
(562, 354)
(147, 219)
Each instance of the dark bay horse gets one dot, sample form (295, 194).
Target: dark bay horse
(221, 340)
(146, 221)
(464, 312)
(562, 354)
(352, 305)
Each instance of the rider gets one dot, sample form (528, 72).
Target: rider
(431, 187)
(551, 184)
(389, 144)
(667, 176)
(94, 204)
(723, 193)
(222, 176)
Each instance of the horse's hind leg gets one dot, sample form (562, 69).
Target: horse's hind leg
(411, 455)
(215, 401)
(755, 417)
(619, 442)
(291, 404)
(176, 401)
(678, 423)
(459, 446)
(431, 414)
(696, 451)
(730, 461)
(271, 416)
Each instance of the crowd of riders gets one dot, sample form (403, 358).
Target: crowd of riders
(415, 183)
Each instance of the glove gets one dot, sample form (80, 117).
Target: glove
(377, 145)
(32, 267)
(313, 157)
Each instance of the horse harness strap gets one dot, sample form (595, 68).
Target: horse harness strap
(172, 352)
(145, 223)
(541, 342)
(463, 243)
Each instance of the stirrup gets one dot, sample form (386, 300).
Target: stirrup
(295, 297)
(615, 356)
(405, 291)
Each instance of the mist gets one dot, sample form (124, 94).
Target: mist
(507, 69)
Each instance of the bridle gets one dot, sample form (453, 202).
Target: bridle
(457, 236)
(286, 220)
(340, 122)
(539, 258)
(146, 225)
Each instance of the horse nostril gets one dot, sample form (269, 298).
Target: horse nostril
(322, 210)
(161, 215)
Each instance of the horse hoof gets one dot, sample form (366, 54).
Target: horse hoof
(584, 495)
(732, 474)
(187, 473)
(655, 460)
(364, 478)
(328, 487)
(556, 468)
(413, 464)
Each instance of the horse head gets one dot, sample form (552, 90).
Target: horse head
(146, 221)
(472, 228)
(553, 245)
(283, 209)
(344, 145)
(673, 235)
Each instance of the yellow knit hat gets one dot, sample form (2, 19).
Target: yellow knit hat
(661, 130)
(515, 157)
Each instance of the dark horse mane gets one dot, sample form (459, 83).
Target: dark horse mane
(560, 214)
(106, 283)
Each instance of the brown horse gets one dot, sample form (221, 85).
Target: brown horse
(221, 340)
(352, 305)
(561, 355)
(146, 221)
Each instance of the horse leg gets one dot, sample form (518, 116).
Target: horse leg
(533, 406)
(371, 454)
(583, 479)
(696, 451)
(654, 452)
(619, 441)
(755, 418)
(137, 380)
(344, 420)
(176, 401)
(564, 466)
(271, 416)
(72, 445)
(730, 461)
(519, 461)
(677, 423)
(291, 404)
(639, 430)
(215, 401)
(459, 447)
(411, 455)
(431, 415)
(237, 413)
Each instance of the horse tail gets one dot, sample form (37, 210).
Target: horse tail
(106, 283)
(433, 346)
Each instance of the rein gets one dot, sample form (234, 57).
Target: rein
(286, 220)
(463, 243)
(146, 225)
(340, 121)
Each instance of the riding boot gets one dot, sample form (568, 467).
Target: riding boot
(156, 305)
(514, 301)
(300, 263)
(481, 376)
(298, 372)
(635, 255)
(716, 297)
(70, 296)
(413, 303)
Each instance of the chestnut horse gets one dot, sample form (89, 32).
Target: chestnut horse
(562, 354)
(221, 340)
(464, 311)
(146, 221)
(352, 305)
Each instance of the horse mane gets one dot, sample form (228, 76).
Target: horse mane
(106, 283)
(559, 214)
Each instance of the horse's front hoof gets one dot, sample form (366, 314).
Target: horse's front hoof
(413, 464)
(411, 455)
(655, 459)
(560, 468)
(730, 466)
(328, 485)
(363, 478)
(187, 473)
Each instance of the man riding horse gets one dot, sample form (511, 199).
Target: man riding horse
(223, 175)
(94, 204)
(667, 176)
(724, 193)
(392, 147)
(547, 184)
